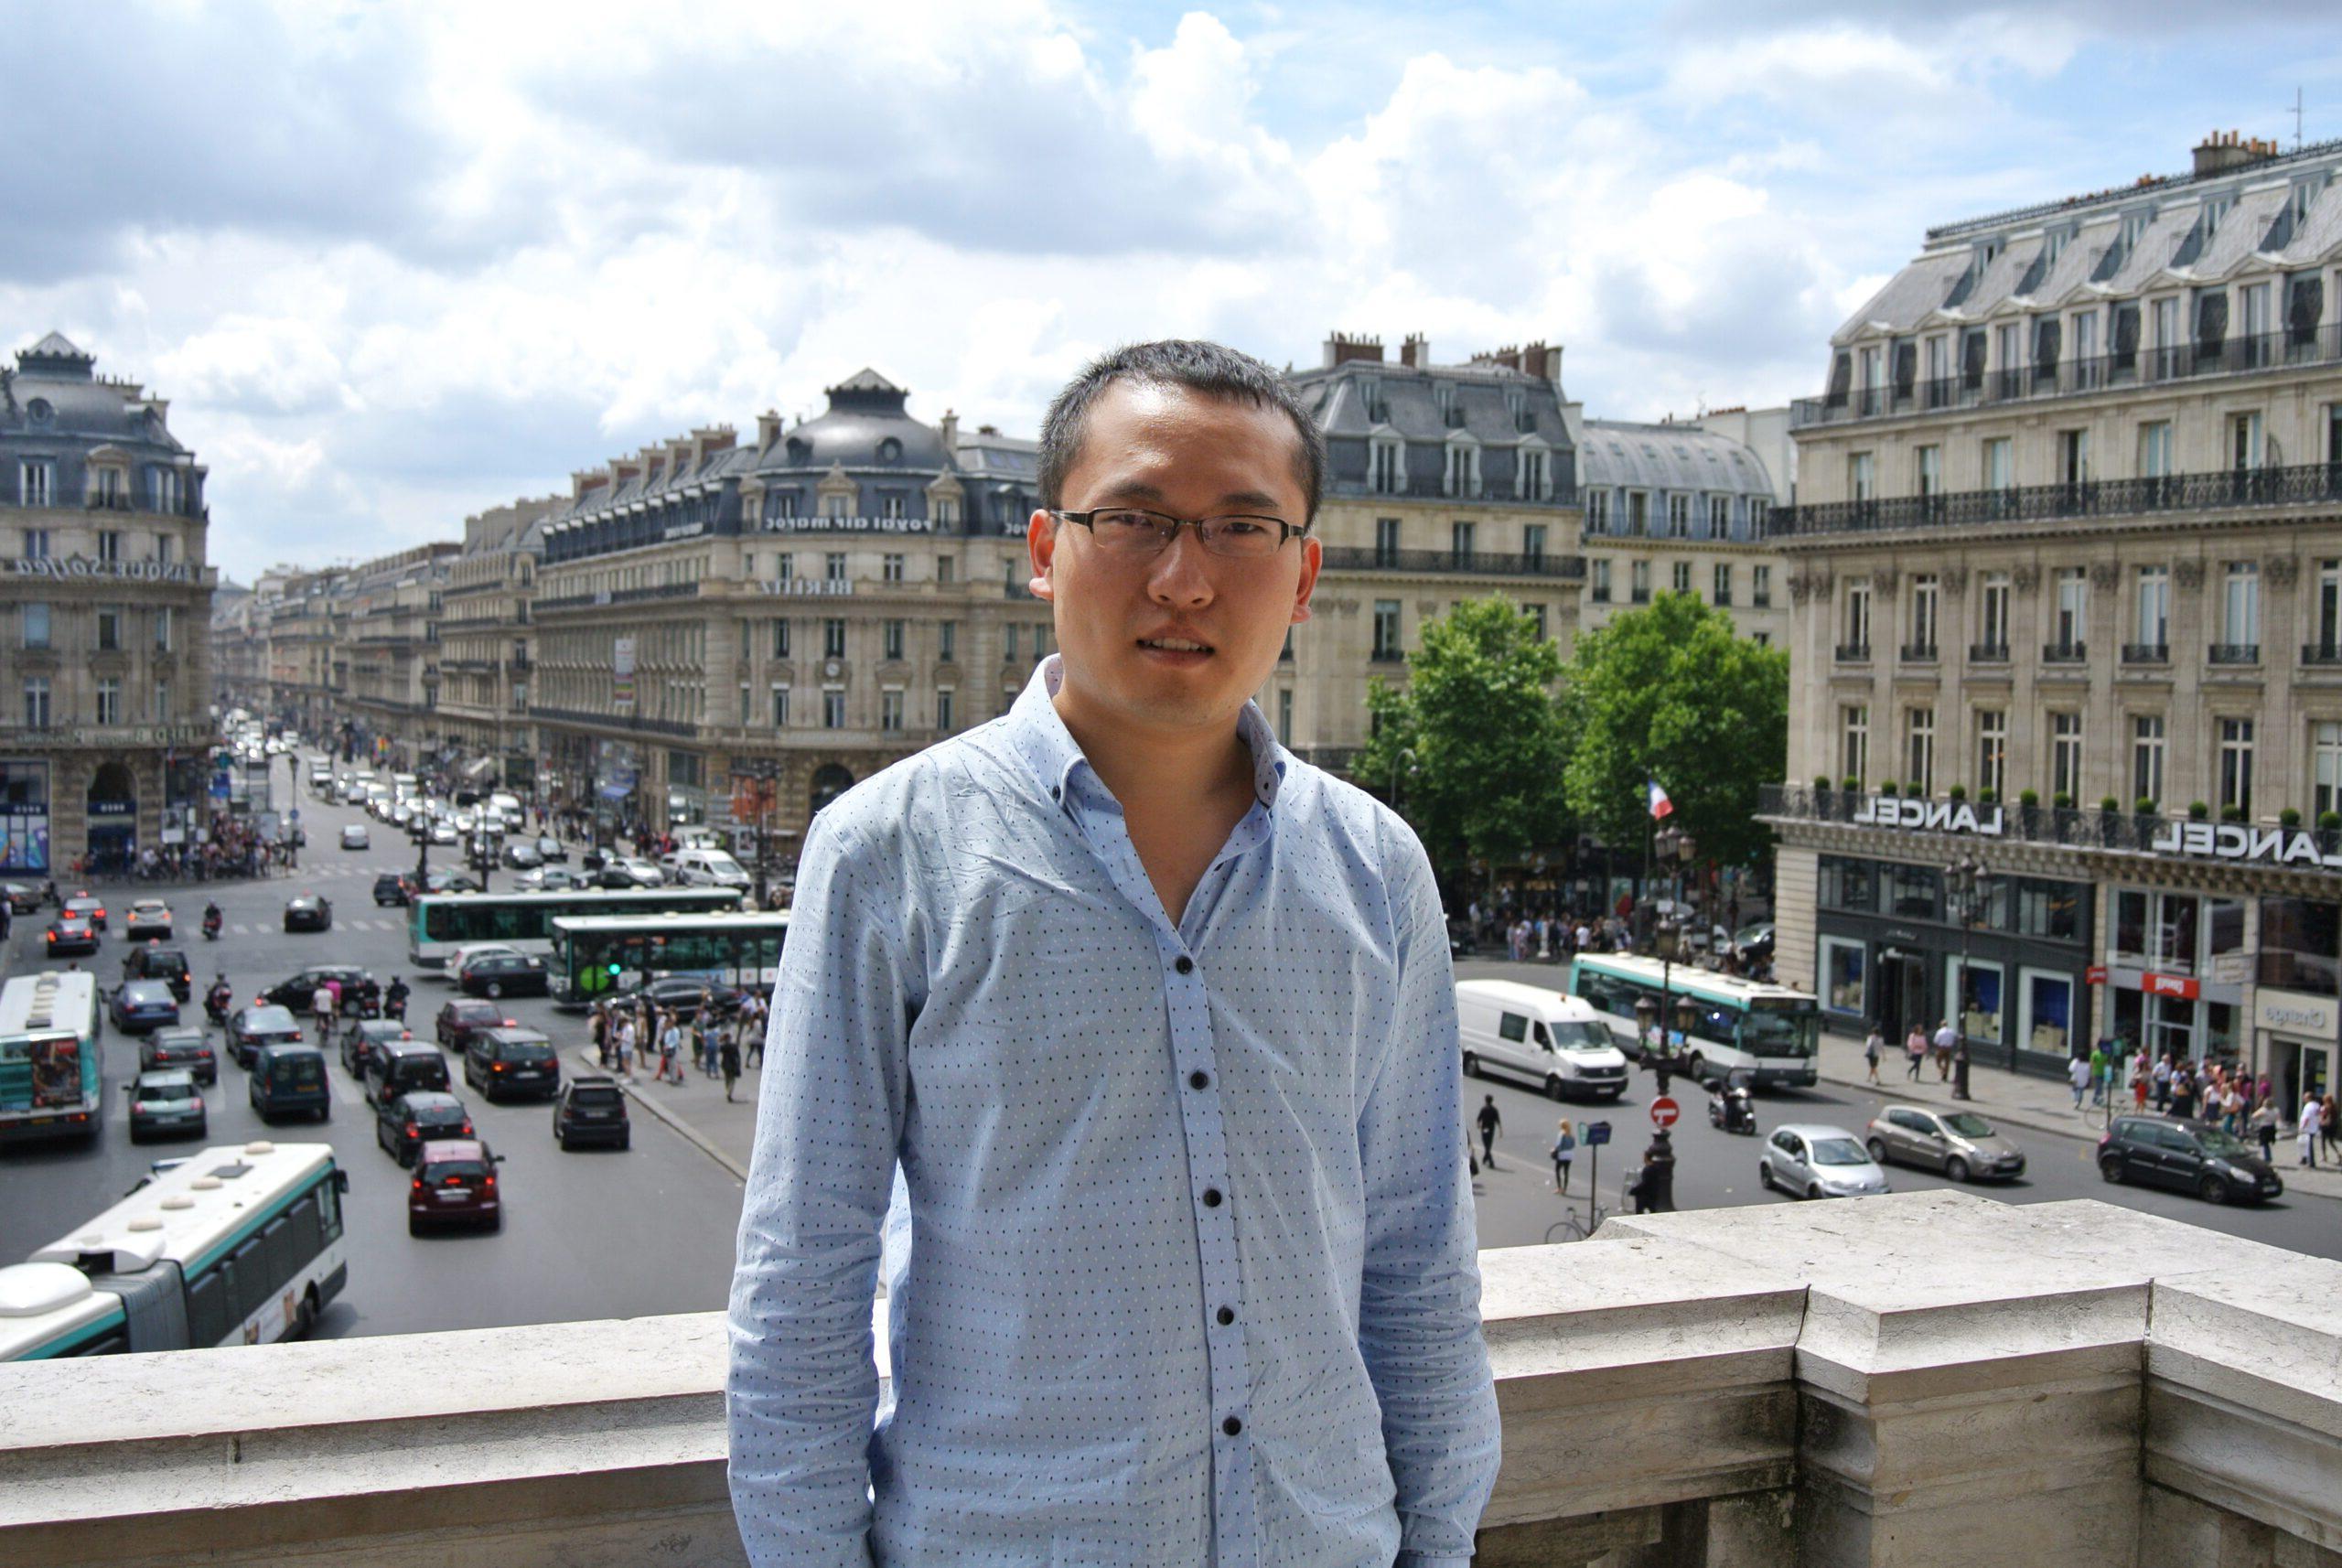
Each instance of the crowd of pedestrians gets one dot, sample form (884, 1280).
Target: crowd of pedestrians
(628, 1030)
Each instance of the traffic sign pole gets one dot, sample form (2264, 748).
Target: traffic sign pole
(1663, 1113)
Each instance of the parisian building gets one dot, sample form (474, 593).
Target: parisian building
(2064, 574)
(108, 604)
(812, 606)
(484, 633)
(386, 659)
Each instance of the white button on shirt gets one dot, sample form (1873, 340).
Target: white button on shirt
(1190, 1275)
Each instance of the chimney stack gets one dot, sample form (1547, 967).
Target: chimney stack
(768, 429)
(1342, 349)
(2224, 150)
(1415, 352)
(949, 428)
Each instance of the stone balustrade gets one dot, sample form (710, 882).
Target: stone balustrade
(1928, 1378)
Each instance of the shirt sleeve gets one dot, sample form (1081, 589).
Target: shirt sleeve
(802, 1393)
(1419, 1304)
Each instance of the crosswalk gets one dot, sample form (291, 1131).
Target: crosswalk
(340, 923)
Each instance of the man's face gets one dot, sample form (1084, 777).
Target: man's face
(1181, 452)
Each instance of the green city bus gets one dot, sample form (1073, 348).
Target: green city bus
(603, 955)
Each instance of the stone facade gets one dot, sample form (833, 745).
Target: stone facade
(486, 636)
(2069, 528)
(107, 602)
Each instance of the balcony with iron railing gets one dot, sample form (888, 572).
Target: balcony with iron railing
(1931, 1376)
(2015, 507)
(2325, 655)
(1410, 487)
(2070, 827)
(2146, 654)
(1482, 562)
(2234, 653)
(1988, 653)
(1854, 653)
(2075, 653)
(2228, 356)
(1919, 653)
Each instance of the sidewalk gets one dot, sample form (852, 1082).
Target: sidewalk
(2019, 1099)
(695, 1108)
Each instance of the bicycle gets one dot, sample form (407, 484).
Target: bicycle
(1576, 1225)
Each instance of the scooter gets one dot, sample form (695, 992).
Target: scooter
(215, 1004)
(1729, 1106)
(210, 926)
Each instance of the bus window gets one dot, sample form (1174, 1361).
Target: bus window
(303, 1218)
(328, 1211)
(206, 1307)
(276, 1242)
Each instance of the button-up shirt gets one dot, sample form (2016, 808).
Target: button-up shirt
(1190, 1272)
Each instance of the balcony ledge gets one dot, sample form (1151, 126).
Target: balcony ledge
(1931, 1377)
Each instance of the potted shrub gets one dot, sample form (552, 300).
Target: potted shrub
(2028, 803)
(2062, 801)
(1822, 783)
(1957, 792)
(2231, 813)
(2144, 805)
(1988, 795)
(1850, 784)
(2109, 810)
(2198, 811)
(2289, 818)
(1887, 787)
(2143, 822)
(2329, 822)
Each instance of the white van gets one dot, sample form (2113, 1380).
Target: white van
(708, 868)
(1550, 1039)
(507, 807)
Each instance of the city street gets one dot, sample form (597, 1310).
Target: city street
(593, 1233)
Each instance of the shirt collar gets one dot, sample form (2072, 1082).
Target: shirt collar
(1054, 756)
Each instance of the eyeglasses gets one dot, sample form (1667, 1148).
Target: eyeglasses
(1126, 531)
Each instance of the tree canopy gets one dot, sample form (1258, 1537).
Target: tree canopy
(1671, 693)
(1473, 742)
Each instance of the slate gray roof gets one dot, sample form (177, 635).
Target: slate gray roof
(1336, 396)
(1614, 452)
(2241, 229)
(2153, 252)
(1911, 294)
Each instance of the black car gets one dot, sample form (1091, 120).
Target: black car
(683, 990)
(505, 975)
(591, 1110)
(449, 881)
(511, 1062)
(459, 1020)
(396, 1067)
(258, 1025)
(2192, 1156)
(390, 888)
(307, 912)
(405, 1122)
(363, 1036)
(71, 934)
(87, 904)
(300, 993)
(152, 961)
(183, 1046)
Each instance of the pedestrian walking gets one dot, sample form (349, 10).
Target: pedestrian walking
(1915, 1048)
(2305, 1128)
(626, 1047)
(727, 1050)
(2163, 1081)
(2183, 1091)
(752, 1032)
(2326, 1129)
(2142, 1079)
(1960, 1067)
(1564, 1150)
(1943, 1044)
(2098, 1074)
(2077, 1074)
(1872, 1049)
(1492, 1123)
(671, 1051)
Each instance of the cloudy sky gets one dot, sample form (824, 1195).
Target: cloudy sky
(393, 263)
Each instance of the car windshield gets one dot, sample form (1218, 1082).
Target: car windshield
(2227, 1145)
(1968, 1124)
(529, 1051)
(1839, 1152)
(594, 1096)
(156, 1093)
(1582, 1036)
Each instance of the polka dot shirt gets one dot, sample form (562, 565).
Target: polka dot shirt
(1183, 1266)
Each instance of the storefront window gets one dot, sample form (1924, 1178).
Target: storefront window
(1980, 1000)
(2049, 910)
(2131, 927)
(1842, 980)
(2224, 924)
(2174, 934)
(1844, 884)
(2299, 939)
(2219, 1029)
(24, 816)
(2049, 1013)
(1913, 892)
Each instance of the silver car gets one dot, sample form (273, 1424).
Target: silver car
(164, 1101)
(1811, 1159)
(1961, 1143)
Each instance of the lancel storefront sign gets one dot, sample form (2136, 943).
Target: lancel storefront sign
(2201, 841)
(71, 567)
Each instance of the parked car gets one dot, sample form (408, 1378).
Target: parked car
(549, 879)
(152, 961)
(1810, 1159)
(288, 1080)
(1961, 1143)
(300, 993)
(139, 1005)
(399, 1067)
(459, 1018)
(405, 1122)
(505, 975)
(182, 1047)
(591, 1110)
(307, 912)
(2191, 1157)
(70, 934)
(250, 1028)
(360, 1038)
(684, 991)
(390, 888)
(148, 918)
(166, 1101)
(24, 898)
(355, 836)
(454, 1183)
(508, 1063)
(87, 904)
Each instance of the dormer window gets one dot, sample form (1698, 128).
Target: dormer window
(1532, 474)
(1463, 477)
(1378, 406)
(1387, 465)
(890, 450)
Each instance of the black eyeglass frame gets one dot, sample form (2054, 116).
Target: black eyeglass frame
(1289, 530)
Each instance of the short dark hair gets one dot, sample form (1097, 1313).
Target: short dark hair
(1210, 369)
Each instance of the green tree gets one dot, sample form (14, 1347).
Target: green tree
(1474, 740)
(1669, 693)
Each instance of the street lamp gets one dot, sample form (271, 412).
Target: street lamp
(1964, 879)
(486, 835)
(762, 777)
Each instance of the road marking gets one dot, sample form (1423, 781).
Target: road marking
(242, 931)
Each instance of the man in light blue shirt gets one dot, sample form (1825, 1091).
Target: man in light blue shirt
(1158, 1023)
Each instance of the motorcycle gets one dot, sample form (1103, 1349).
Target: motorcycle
(215, 1004)
(1729, 1105)
(211, 925)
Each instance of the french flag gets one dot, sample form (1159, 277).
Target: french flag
(1659, 804)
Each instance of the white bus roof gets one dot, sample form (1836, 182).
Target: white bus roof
(49, 1000)
(1523, 994)
(184, 1211)
(615, 897)
(583, 925)
(43, 1303)
(1692, 977)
